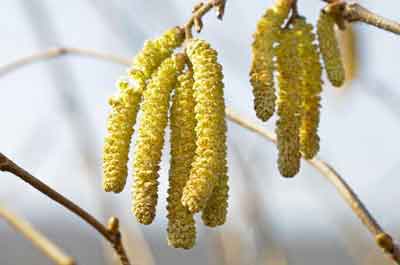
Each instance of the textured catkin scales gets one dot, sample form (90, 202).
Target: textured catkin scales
(311, 87)
(157, 50)
(210, 127)
(120, 128)
(126, 105)
(151, 137)
(181, 225)
(330, 49)
(289, 103)
(262, 68)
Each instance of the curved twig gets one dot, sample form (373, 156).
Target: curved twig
(322, 167)
(111, 235)
(38, 239)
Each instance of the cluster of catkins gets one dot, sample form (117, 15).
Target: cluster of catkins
(198, 180)
(285, 50)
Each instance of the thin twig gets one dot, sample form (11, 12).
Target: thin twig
(38, 239)
(354, 12)
(112, 236)
(199, 11)
(325, 169)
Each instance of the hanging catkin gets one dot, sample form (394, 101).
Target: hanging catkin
(120, 128)
(126, 105)
(311, 87)
(289, 103)
(210, 127)
(262, 68)
(151, 137)
(330, 49)
(181, 225)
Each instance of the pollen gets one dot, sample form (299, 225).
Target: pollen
(210, 127)
(330, 49)
(181, 225)
(262, 68)
(151, 138)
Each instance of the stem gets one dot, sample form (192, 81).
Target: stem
(39, 240)
(113, 237)
(322, 167)
(355, 12)
(199, 11)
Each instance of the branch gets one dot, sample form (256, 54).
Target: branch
(40, 241)
(383, 240)
(112, 234)
(356, 13)
(199, 11)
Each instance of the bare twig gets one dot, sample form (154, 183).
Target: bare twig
(325, 169)
(199, 11)
(353, 12)
(111, 235)
(38, 239)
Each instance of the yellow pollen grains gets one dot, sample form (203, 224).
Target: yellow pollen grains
(262, 68)
(151, 138)
(125, 107)
(210, 128)
(289, 103)
(181, 225)
(311, 87)
(330, 49)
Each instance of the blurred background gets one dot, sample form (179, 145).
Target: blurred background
(53, 120)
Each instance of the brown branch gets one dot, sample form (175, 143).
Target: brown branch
(354, 12)
(199, 11)
(38, 239)
(111, 235)
(382, 238)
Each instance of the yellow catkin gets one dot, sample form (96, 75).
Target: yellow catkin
(181, 225)
(151, 138)
(289, 103)
(311, 87)
(126, 105)
(330, 49)
(120, 128)
(262, 68)
(210, 127)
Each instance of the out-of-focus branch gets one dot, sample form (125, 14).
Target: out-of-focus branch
(110, 233)
(382, 238)
(38, 239)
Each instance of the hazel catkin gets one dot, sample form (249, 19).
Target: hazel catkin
(289, 103)
(120, 128)
(126, 105)
(210, 128)
(262, 68)
(151, 137)
(330, 49)
(181, 225)
(311, 87)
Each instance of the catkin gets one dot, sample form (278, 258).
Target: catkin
(262, 68)
(289, 103)
(330, 49)
(126, 105)
(210, 127)
(151, 137)
(311, 87)
(181, 225)
(156, 51)
(120, 128)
